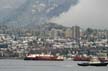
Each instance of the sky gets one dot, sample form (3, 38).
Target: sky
(87, 13)
(10, 3)
(39, 11)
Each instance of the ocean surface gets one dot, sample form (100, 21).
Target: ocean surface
(21, 65)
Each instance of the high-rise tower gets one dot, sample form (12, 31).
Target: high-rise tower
(76, 33)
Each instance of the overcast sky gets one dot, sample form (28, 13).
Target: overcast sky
(88, 13)
(10, 3)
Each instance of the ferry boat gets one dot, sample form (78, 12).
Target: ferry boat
(87, 58)
(94, 62)
(103, 59)
(81, 58)
(44, 57)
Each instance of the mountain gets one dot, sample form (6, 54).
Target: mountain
(49, 26)
(39, 29)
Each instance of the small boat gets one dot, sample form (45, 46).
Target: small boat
(94, 62)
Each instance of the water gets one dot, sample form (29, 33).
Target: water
(21, 65)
